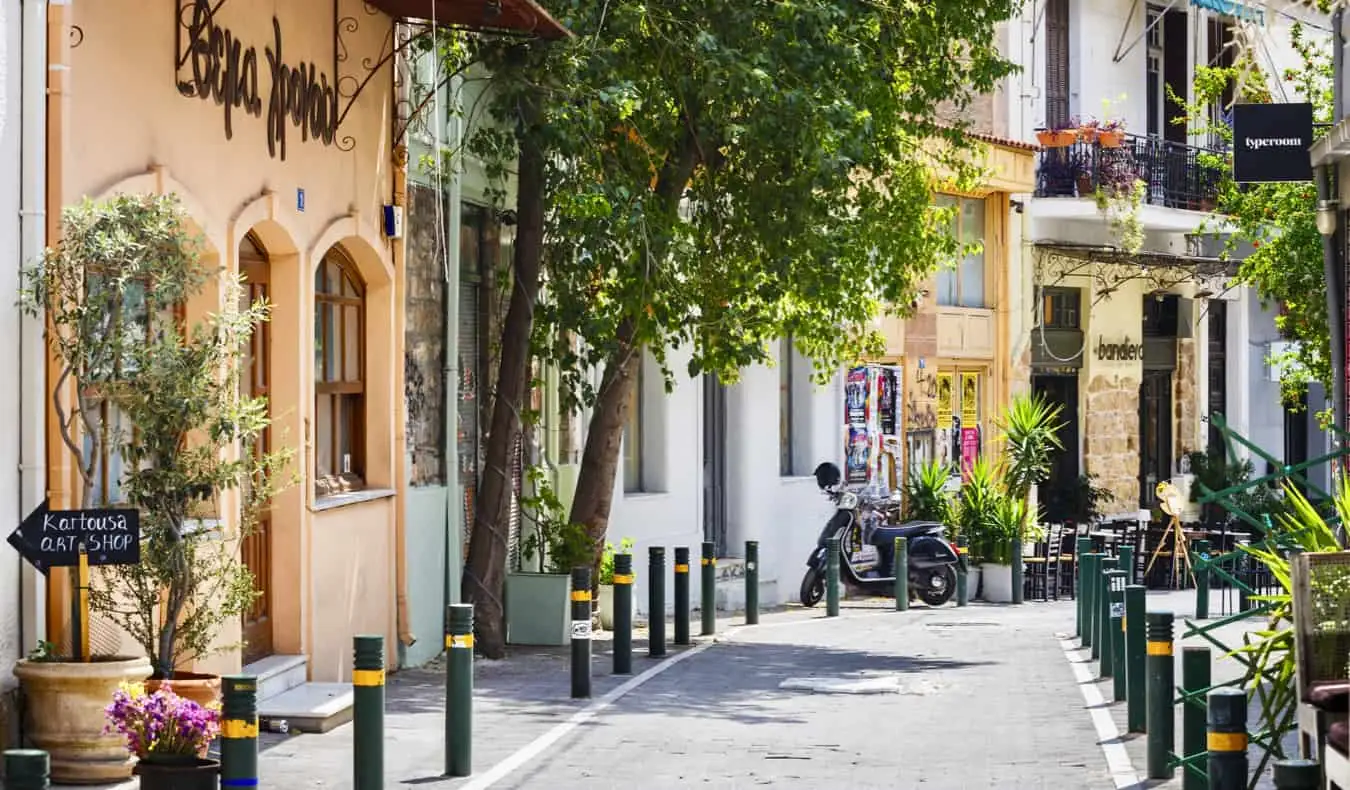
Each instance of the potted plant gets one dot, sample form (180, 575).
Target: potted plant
(158, 397)
(975, 507)
(606, 583)
(999, 546)
(64, 701)
(1120, 196)
(1059, 136)
(538, 603)
(1087, 130)
(1110, 134)
(1030, 429)
(168, 735)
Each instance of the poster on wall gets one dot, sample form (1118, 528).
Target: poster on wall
(944, 401)
(970, 450)
(855, 397)
(886, 400)
(858, 460)
(970, 399)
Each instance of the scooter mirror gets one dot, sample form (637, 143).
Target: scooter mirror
(827, 475)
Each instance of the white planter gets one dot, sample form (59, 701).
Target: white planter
(973, 576)
(606, 600)
(998, 587)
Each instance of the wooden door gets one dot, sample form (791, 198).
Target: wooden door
(257, 545)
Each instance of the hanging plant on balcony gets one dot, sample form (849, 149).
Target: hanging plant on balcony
(1119, 197)
(1059, 136)
(1110, 134)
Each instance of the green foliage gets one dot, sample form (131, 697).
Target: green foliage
(607, 559)
(44, 651)
(1271, 678)
(976, 507)
(927, 497)
(1278, 219)
(1030, 431)
(559, 544)
(1089, 499)
(162, 398)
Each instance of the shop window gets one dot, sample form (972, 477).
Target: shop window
(962, 285)
(339, 373)
(633, 479)
(1060, 308)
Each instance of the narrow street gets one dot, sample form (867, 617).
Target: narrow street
(981, 697)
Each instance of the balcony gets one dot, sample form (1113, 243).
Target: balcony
(1172, 172)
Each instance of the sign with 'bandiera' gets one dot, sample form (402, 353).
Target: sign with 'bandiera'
(1271, 142)
(214, 63)
(1123, 351)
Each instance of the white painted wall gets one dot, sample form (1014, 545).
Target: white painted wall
(10, 372)
(785, 514)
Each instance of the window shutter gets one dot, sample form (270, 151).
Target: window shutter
(1056, 63)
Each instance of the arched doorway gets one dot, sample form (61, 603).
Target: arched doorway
(256, 548)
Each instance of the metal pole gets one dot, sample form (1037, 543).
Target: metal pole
(1227, 739)
(1089, 594)
(1018, 569)
(1116, 582)
(1101, 638)
(623, 613)
(459, 687)
(751, 582)
(709, 596)
(656, 601)
(368, 712)
(238, 731)
(1135, 652)
(832, 578)
(27, 769)
(1161, 716)
(900, 567)
(1202, 579)
(1195, 674)
(682, 595)
(1125, 562)
(962, 560)
(581, 633)
(1082, 547)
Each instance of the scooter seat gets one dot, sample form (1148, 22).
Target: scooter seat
(885, 535)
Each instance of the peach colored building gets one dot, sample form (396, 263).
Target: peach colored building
(275, 124)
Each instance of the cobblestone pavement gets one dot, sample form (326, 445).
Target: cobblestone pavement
(986, 700)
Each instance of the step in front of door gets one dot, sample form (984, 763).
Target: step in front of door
(278, 674)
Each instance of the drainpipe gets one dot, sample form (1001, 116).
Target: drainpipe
(399, 165)
(1335, 298)
(32, 346)
(454, 507)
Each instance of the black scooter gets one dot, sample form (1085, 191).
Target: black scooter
(866, 543)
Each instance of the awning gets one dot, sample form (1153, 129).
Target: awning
(516, 16)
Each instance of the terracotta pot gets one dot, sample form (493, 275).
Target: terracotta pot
(201, 689)
(1110, 139)
(1051, 139)
(1088, 134)
(170, 772)
(65, 718)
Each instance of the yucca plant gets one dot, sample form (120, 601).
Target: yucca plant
(926, 494)
(1030, 428)
(976, 506)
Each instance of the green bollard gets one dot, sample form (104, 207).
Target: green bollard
(1135, 652)
(832, 578)
(581, 633)
(1018, 569)
(1101, 636)
(1125, 562)
(682, 595)
(1298, 775)
(1116, 583)
(238, 731)
(368, 712)
(656, 601)
(1161, 725)
(623, 614)
(1227, 740)
(900, 567)
(1082, 547)
(1202, 580)
(1195, 666)
(962, 561)
(709, 597)
(752, 582)
(27, 769)
(1090, 564)
(459, 678)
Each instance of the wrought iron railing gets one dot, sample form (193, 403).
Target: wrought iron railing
(1173, 174)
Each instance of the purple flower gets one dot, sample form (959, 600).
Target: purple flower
(161, 723)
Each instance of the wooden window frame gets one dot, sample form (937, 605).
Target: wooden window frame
(956, 202)
(341, 389)
(1050, 315)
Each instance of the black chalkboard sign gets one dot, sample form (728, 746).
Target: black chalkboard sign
(51, 538)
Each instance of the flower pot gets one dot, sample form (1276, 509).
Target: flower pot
(606, 600)
(178, 772)
(997, 580)
(538, 609)
(973, 577)
(1110, 139)
(201, 689)
(1085, 187)
(1088, 134)
(1051, 139)
(65, 715)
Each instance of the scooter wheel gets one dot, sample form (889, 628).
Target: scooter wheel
(941, 587)
(813, 588)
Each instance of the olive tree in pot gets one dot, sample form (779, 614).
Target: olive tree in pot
(152, 409)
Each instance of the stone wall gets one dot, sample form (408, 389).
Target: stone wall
(1186, 397)
(1111, 438)
(424, 357)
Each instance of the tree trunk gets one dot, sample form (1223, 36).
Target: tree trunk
(485, 574)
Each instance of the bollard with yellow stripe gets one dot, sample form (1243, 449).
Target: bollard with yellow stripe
(459, 689)
(1161, 725)
(581, 633)
(368, 712)
(708, 600)
(238, 731)
(623, 613)
(681, 593)
(962, 560)
(1227, 739)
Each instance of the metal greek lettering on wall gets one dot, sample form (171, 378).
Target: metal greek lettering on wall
(212, 63)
